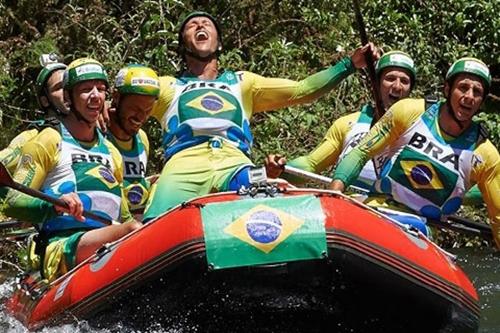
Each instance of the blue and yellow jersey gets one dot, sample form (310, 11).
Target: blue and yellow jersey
(10, 155)
(344, 134)
(192, 110)
(135, 161)
(326, 154)
(428, 171)
(55, 163)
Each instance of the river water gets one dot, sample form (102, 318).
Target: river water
(482, 266)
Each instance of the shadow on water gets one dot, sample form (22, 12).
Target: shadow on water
(172, 309)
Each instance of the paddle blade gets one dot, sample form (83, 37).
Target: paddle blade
(5, 177)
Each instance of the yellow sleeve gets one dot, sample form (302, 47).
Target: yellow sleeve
(401, 116)
(39, 156)
(265, 94)
(167, 91)
(486, 173)
(125, 214)
(384, 133)
(327, 152)
(10, 155)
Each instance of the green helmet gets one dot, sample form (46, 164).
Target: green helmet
(397, 59)
(181, 48)
(470, 66)
(137, 79)
(44, 76)
(84, 69)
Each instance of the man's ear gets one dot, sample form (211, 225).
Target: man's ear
(44, 101)
(446, 90)
(115, 100)
(67, 98)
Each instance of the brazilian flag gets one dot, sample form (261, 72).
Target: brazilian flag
(424, 176)
(207, 103)
(95, 177)
(262, 231)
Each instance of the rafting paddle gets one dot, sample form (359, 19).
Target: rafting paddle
(10, 224)
(6, 180)
(379, 106)
(455, 223)
(18, 235)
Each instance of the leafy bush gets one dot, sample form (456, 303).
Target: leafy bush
(274, 38)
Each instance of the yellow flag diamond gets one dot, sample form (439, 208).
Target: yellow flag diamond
(103, 174)
(422, 175)
(211, 103)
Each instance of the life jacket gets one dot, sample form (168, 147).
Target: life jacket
(427, 173)
(370, 171)
(135, 162)
(88, 171)
(202, 109)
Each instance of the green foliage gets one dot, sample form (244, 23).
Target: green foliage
(289, 39)
(491, 121)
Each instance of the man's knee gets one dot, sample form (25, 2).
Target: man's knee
(245, 177)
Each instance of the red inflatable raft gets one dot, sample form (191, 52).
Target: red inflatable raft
(289, 259)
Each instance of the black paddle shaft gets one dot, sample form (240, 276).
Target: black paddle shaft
(379, 106)
(6, 180)
(465, 227)
(483, 228)
(452, 222)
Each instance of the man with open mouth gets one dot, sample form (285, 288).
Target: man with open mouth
(74, 162)
(437, 152)
(396, 75)
(205, 114)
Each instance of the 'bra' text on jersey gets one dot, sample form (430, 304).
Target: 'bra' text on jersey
(134, 169)
(199, 85)
(90, 158)
(420, 142)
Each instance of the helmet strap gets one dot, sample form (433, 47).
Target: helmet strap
(452, 115)
(54, 108)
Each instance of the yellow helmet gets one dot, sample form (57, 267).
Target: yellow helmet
(84, 69)
(137, 79)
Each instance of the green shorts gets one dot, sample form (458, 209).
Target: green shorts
(60, 254)
(195, 171)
